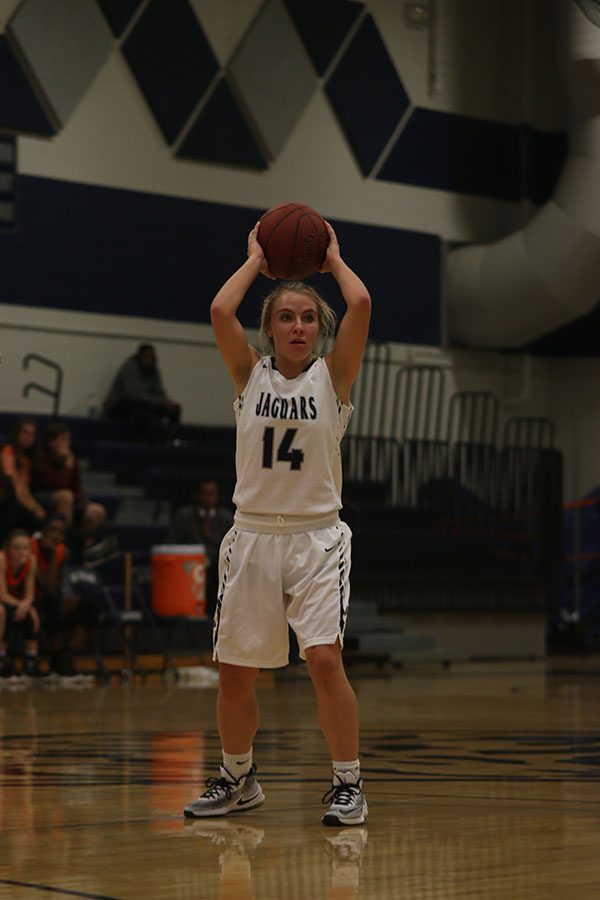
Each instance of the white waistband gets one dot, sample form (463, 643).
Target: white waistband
(284, 524)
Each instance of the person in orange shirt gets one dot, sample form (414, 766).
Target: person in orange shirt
(17, 595)
(15, 458)
(57, 485)
(69, 604)
(51, 554)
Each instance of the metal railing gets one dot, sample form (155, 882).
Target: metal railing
(56, 391)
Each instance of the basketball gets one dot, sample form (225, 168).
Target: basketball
(294, 239)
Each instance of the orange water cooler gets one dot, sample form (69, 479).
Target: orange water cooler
(179, 580)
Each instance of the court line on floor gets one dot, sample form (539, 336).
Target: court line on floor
(147, 820)
(53, 890)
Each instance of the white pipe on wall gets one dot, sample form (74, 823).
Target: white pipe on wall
(546, 274)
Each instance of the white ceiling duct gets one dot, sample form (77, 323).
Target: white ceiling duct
(547, 274)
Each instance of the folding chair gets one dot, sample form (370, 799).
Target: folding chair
(119, 610)
(197, 630)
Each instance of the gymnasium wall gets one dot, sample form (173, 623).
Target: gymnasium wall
(150, 134)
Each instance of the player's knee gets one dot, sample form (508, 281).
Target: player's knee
(236, 680)
(324, 663)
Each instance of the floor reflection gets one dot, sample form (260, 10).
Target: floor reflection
(250, 856)
(470, 795)
(236, 844)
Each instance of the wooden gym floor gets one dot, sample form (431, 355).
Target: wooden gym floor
(482, 781)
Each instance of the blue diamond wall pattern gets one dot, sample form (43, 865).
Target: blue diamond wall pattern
(323, 26)
(221, 134)
(20, 109)
(367, 95)
(172, 61)
(119, 13)
(65, 45)
(244, 115)
(273, 75)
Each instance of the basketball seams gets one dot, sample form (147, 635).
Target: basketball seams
(290, 265)
(308, 260)
(294, 207)
(323, 242)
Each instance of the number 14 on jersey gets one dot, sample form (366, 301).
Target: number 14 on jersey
(284, 452)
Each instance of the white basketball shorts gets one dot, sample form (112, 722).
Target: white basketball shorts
(270, 581)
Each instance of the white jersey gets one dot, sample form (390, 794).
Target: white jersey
(289, 432)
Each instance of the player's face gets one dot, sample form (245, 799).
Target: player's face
(19, 551)
(294, 326)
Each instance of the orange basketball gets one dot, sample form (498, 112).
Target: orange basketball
(294, 239)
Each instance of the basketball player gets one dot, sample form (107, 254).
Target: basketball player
(287, 557)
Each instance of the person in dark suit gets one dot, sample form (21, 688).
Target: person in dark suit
(204, 522)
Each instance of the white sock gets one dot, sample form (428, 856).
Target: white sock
(346, 771)
(237, 764)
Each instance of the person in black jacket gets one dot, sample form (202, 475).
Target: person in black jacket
(139, 396)
(204, 522)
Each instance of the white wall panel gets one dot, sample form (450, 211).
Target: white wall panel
(92, 347)
(224, 22)
(7, 8)
(65, 43)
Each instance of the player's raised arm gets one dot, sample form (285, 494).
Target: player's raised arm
(345, 359)
(231, 338)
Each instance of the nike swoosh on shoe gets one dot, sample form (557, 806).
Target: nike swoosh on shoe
(242, 802)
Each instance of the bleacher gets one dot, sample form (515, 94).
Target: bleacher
(492, 525)
(440, 526)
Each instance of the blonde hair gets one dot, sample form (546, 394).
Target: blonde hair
(326, 316)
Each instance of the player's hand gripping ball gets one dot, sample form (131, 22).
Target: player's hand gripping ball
(294, 239)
